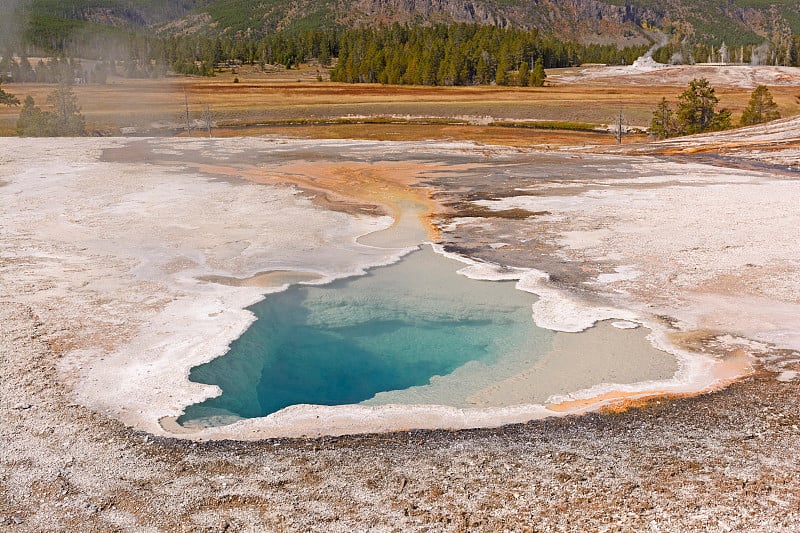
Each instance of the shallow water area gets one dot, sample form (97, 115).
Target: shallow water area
(413, 333)
(415, 326)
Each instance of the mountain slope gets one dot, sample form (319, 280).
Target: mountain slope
(581, 20)
(738, 22)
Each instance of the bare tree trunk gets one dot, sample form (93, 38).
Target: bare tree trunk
(186, 107)
(207, 118)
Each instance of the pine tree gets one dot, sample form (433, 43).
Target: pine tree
(7, 98)
(663, 123)
(721, 120)
(67, 119)
(483, 68)
(523, 77)
(697, 109)
(501, 73)
(324, 55)
(32, 122)
(7, 64)
(537, 74)
(394, 73)
(761, 108)
(26, 73)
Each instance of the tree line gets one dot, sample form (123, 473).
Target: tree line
(63, 120)
(56, 69)
(697, 112)
(55, 28)
(462, 54)
(455, 54)
(445, 54)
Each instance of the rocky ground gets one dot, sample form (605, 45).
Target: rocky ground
(721, 462)
(647, 73)
(725, 461)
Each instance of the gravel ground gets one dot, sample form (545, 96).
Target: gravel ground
(727, 461)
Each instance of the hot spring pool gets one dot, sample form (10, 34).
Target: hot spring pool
(412, 332)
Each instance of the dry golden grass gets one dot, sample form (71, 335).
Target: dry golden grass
(269, 102)
(419, 132)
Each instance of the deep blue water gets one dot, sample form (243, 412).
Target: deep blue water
(392, 329)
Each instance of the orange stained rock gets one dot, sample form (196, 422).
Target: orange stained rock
(348, 184)
(737, 365)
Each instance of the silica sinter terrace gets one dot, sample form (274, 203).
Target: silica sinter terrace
(414, 332)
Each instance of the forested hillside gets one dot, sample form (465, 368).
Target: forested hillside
(433, 42)
(710, 22)
(737, 22)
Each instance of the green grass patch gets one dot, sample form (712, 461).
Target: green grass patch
(339, 121)
(549, 125)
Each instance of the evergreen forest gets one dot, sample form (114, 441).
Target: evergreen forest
(462, 55)
(140, 39)
(456, 54)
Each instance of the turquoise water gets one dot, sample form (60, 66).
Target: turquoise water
(412, 332)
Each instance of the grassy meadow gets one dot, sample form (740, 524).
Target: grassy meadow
(295, 103)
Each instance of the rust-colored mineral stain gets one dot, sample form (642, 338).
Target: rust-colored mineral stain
(734, 367)
(613, 401)
(348, 186)
(388, 184)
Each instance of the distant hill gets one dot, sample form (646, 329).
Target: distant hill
(580, 20)
(620, 22)
(738, 22)
(54, 24)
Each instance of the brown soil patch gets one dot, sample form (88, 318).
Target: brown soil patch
(158, 105)
(492, 135)
(470, 210)
(274, 278)
(352, 187)
(385, 183)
